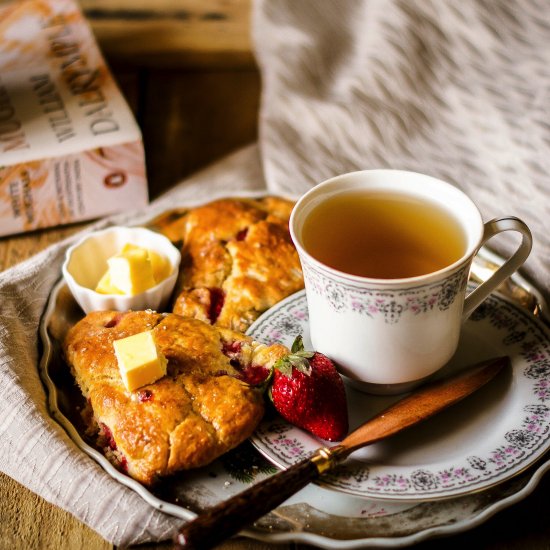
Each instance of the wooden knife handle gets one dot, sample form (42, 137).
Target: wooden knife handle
(229, 517)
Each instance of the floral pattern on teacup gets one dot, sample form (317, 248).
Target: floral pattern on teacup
(391, 305)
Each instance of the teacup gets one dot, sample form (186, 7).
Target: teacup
(387, 317)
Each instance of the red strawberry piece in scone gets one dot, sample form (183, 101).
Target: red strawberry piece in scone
(308, 392)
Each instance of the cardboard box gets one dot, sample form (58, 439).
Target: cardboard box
(70, 149)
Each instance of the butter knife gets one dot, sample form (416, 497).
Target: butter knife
(229, 517)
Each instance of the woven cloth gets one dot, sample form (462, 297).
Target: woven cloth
(460, 91)
(456, 90)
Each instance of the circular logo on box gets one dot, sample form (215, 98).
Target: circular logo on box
(115, 179)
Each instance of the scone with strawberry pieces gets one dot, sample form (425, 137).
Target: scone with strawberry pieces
(238, 259)
(206, 404)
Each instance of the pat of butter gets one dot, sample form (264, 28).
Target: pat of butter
(133, 270)
(139, 360)
(105, 286)
(161, 266)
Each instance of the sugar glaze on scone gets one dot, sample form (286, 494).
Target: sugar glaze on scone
(200, 410)
(238, 259)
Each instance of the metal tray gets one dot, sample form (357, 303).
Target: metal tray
(315, 515)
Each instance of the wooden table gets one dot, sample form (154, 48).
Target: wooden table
(196, 55)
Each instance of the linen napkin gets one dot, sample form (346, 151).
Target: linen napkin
(459, 91)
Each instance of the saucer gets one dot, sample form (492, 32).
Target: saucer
(491, 436)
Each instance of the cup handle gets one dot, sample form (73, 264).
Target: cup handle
(491, 228)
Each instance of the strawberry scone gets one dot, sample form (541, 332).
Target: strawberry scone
(200, 409)
(238, 259)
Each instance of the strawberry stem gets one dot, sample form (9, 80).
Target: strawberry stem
(297, 359)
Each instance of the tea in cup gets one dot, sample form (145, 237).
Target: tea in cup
(386, 256)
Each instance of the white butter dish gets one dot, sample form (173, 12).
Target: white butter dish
(86, 262)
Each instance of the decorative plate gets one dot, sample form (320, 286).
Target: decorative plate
(491, 436)
(316, 515)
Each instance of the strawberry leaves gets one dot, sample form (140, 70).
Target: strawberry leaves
(298, 358)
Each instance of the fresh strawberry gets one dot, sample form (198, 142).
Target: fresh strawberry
(309, 393)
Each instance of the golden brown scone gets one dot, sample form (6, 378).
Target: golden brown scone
(198, 411)
(238, 259)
